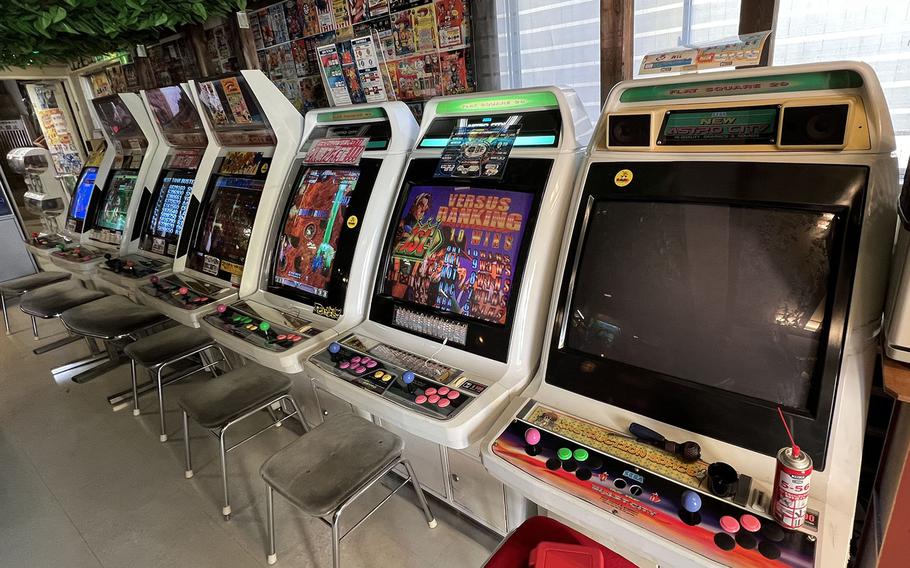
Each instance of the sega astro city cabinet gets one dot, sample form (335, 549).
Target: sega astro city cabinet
(166, 193)
(102, 221)
(256, 131)
(457, 310)
(727, 257)
(324, 239)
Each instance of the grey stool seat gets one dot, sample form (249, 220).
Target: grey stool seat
(215, 403)
(167, 345)
(325, 467)
(51, 301)
(32, 281)
(111, 317)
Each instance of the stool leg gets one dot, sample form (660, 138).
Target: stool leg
(186, 447)
(136, 411)
(300, 417)
(274, 417)
(421, 498)
(270, 505)
(224, 358)
(5, 314)
(163, 436)
(226, 510)
(35, 328)
(336, 539)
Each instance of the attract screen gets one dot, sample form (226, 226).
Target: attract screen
(83, 195)
(227, 223)
(313, 221)
(733, 298)
(455, 249)
(116, 117)
(116, 201)
(165, 220)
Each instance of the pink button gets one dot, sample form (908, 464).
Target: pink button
(360, 369)
(420, 399)
(344, 364)
(370, 364)
(355, 359)
(295, 338)
(443, 402)
(443, 391)
(453, 394)
(429, 391)
(532, 436)
(750, 523)
(729, 524)
(433, 398)
(281, 337)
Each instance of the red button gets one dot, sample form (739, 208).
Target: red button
(433, 398)
(420, 399)
(281, 337)
(453, 395)
(750, 523)
(443, 402)
(444, 391)
(729, 524)
(429, 391)
(296, 338)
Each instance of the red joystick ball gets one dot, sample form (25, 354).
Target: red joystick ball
(532, 436)
(34, 235)
(153, 280)
(221, 308)
(184, 291)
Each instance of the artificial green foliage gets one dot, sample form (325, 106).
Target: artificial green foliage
(40, 32)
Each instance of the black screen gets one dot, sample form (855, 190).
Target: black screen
(168, 212)
(734, 298)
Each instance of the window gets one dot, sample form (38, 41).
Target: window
(665, 24)
(874, 31)
(551, 43)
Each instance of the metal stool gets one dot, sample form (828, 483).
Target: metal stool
(49, 302)
(328, 468)
(163, 349)
(111, 319)
(18, 286)
(218, 405)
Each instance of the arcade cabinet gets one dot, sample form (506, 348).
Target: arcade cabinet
(46, 198)
(106, 228)
(166, 193)
(256, 133)
(727, 258)
(458, 307)
(324, 238)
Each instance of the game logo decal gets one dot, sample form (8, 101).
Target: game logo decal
(313, 224)
(456, 249)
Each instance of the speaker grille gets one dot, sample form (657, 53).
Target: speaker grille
(629, 130)
(814, 125)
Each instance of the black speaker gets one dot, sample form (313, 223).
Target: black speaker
(814, 125)
(629, 130)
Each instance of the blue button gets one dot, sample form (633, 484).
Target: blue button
(691, 501)
(407, 377)
(334, 347)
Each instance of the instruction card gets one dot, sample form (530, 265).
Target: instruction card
(336, 151)
(479, 149)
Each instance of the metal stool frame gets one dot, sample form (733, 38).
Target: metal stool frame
(112, 359)
(335, 524)
(221, 432)
(161, 383)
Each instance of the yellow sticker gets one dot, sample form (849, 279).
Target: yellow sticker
(623, 178)
(264, 168)
(352, 221)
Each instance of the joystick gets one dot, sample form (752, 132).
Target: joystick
(691, 505)
(408, 379)
(687, 451)
(334, 350)
(264, 327)
(532, 441)
(220, 309)
(153, 280)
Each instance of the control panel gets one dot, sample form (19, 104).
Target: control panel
(78, 253)
(421, 385)
(133, 265)
(185, 293)
(578, 457)
(243, 320)
(46, 242)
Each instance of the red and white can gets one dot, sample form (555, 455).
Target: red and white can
(792, 480)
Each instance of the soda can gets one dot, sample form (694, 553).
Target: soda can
(792, 479)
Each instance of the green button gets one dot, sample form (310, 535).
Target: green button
(264, 326)
(236, 318)
(581, 455)
(564, 454)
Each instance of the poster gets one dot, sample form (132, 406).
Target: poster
(451, 23)
(456, 249)
(423, 21)
(334, 76)
(279, 23)
(418, 77)
(301, 60)
(265, 26)
(367, 58)
(403, 34)
(236, 101)
(291, 10)
(256, 30)
(312, 93)
(479, 150)
(454, 72)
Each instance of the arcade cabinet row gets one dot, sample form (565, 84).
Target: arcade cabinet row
(540, 317)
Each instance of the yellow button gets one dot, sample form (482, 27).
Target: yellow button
(377, 374)
(386, 377)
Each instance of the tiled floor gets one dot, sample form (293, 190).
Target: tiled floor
(83, 486)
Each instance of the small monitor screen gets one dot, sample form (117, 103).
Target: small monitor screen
(116, 201)
(733, 298)
(227, 222)
(168, 212)
(313, 221)
(83, 195)
(455, 249)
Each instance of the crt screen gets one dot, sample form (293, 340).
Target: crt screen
(79, 206)
(165, 221)
(313, 220)
(455, 249)
(728, 297)
(227, 222)
(112, 214)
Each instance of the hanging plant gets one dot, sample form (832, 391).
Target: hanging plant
(40, 32)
